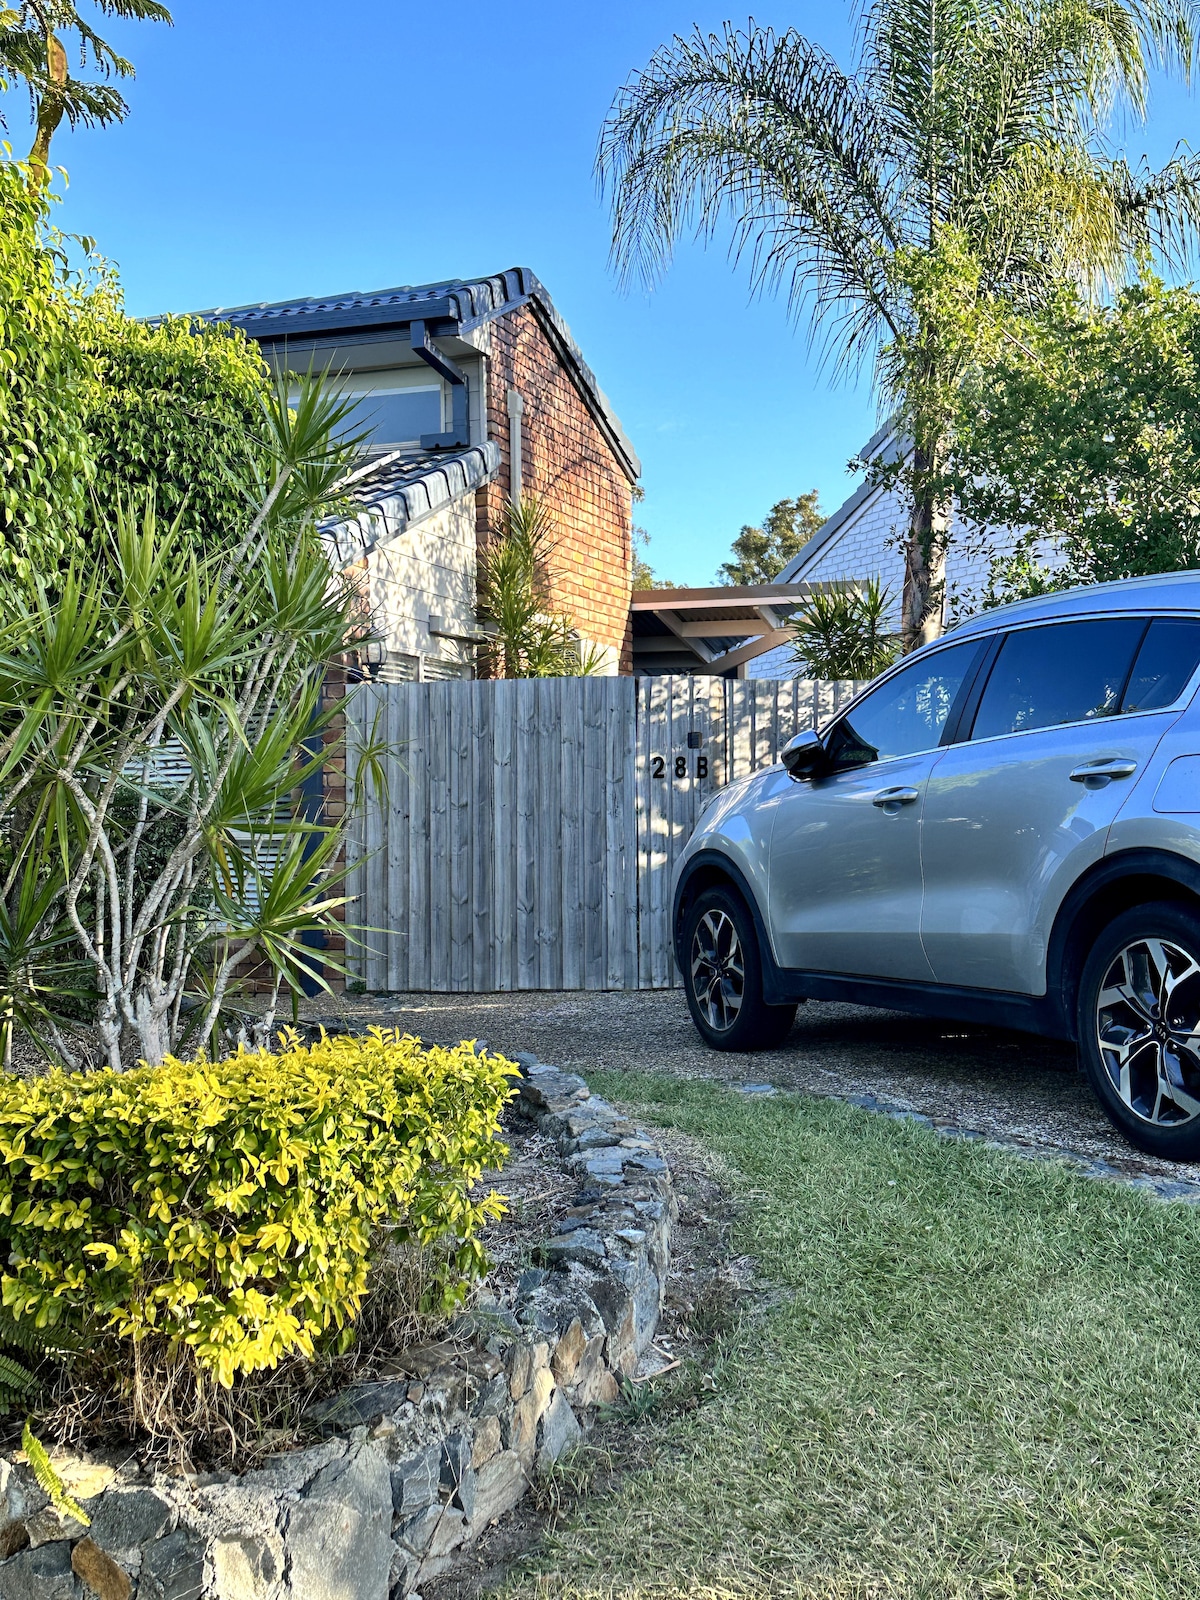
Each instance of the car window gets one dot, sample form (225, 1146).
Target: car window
(1064, 672)
(907, 713)
(1169, 655)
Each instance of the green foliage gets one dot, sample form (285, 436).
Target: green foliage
(760, 554)
(227, 1208)
(32, 52)
(1084, 430)
(46, 462)
(844, 633)
(178, 406)
(97, 409)
(154, 710)
(49, 1480)
(516, 575)
(957, 171)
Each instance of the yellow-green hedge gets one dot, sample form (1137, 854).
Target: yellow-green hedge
(230, 1205)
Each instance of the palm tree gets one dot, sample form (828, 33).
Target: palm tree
(958, 171)
(32, 50)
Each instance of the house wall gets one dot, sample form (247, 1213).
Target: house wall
(871, 545)
(428, 569)
(567, 461)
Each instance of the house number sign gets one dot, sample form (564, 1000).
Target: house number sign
(658, 767)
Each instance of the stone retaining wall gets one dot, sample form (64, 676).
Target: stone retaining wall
(414, 1465)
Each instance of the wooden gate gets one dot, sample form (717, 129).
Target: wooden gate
(526, 832)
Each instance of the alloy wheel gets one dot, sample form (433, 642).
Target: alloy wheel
(1148, 1030)
(718, 970)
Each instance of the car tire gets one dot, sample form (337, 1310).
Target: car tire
(1138, 1027)
(722, 976)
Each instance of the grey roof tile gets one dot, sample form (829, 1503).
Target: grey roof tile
(401, 488)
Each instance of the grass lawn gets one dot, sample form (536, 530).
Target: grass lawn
(982, 1379)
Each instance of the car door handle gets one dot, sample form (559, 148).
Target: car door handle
(1098, 773)
(896, 797)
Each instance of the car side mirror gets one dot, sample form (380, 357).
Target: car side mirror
(804, 755)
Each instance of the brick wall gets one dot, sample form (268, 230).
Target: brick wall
(567, 461)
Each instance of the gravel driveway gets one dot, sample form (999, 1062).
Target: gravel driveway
(1007, 1086)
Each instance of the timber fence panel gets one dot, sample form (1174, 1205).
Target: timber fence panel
(528, 831)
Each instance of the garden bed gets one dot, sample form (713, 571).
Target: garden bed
(417, 1458)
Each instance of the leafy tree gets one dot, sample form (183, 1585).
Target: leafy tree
(179, 405)
(760, 554)
(1085, 432)
(96, 407)
(32, 51)
(845, 633)
(956, 172)
(46, 461)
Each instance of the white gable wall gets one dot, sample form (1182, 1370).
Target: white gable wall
(870, 544)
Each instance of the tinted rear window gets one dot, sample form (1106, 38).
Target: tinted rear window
(1169, 655)
(1065, 672)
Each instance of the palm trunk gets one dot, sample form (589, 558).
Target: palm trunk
(923, 602)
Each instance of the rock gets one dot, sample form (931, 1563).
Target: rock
(448, 1533)
(520, 1363)
(493, 1398)
(522, 1430)
(416, 1533)
(568, 1352)
(487, 1441)
(424, 1359)
(547, 1090)
(456, 1458)
(498, 1487)
(557, 1431)
(47, 1525)
(245, 1567)
(415, 1481)
(13, 1537)
(361, 1480)
(287, 1474)
(173, 1568)
(333, 1553)
(101, 1575)
(532, 1278)
(594, 1384)
(20, 1494)
(83, 1480)
(581, 1245)
(43, 1574)
(123, 1519)
(365, 1403)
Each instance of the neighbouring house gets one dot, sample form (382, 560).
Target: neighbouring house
(472, 392)
(677, 630)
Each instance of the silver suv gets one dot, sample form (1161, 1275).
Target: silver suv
(1004, 828)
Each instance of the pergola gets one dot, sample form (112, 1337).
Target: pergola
(714, 630)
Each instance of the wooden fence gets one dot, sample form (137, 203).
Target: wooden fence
(526, 831)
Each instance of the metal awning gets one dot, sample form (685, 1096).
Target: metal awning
(713, 630)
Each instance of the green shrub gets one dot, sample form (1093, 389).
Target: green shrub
(229, 1206)
(96, 408)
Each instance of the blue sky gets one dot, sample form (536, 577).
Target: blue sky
(277, 149)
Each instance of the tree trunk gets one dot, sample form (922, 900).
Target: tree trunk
(923, 602)
(50, 108)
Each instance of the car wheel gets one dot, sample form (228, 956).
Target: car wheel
(1139, 1027)
(723, 976)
